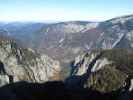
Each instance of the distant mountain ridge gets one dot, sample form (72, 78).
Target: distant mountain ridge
(63, 41)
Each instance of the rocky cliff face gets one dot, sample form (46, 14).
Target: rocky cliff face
(105, 70)
(18, 64)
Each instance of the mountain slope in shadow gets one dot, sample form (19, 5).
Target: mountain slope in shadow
(56, 90)
(48, 91)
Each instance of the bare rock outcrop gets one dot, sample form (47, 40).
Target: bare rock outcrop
(24, 64)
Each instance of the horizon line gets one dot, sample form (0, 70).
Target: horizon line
(59, 21)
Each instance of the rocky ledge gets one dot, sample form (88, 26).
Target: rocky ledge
(24, 64)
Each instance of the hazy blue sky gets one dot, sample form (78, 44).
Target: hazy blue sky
(63, 10)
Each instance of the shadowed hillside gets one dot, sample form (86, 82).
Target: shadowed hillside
(57, 90)
(51, 91)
